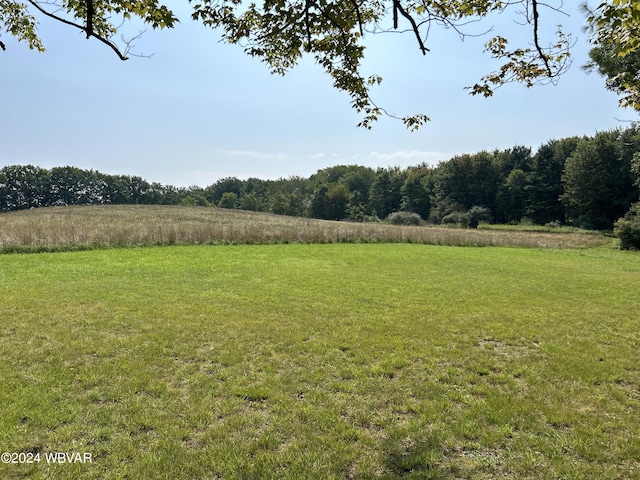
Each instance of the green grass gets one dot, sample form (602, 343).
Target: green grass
(322, 361)
(530, 227)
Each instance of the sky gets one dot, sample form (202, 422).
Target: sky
(198, 110)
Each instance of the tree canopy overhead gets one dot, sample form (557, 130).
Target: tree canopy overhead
(281, 32)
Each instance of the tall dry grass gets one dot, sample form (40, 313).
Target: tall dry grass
(67, 228)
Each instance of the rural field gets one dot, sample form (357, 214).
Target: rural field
(90, 227)
(232, 345)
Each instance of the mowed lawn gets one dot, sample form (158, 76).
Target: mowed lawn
(322, 361)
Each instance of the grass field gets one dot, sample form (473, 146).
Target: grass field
(329, 361)
(90, 227)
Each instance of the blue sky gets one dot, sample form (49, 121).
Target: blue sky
(199, 110)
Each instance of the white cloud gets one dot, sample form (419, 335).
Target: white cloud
(254, 155)
(316, 156)
(403, 158)
(201, 178)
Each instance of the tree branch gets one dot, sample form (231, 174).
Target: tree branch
(307, 25)
(104, 40)
(358, 16)
(395, 16)
(536, 41)
(89, 18)
(397, 6)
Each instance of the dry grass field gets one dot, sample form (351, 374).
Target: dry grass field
(88, 227)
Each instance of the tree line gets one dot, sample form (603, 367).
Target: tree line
(588, 182)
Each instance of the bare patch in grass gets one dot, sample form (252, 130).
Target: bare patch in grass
(508, 351)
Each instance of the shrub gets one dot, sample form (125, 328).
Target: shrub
(478, 214)
(456, 218)
(627, 229)
(404, 218)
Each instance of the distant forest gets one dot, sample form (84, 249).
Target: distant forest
(588, 182)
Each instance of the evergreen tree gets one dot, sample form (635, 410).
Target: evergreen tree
(544, 181)
(597, 179)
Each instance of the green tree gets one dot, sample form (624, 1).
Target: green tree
(23, 186)
(477, 214)
(358, 178)
(598, 183)
(544, 181)
(356, 209)
(256, 186)
(512, 197)
(468, 180)
(228, 200)
(167, 194)
(620, 72)
(615, 32)
(347, 193)
(338, 196)
(416, 193)
(518, 157)
(628, 229)
(385, 195)
(319, 205)
(286, 203)
(214, 192)
(73, 186)
(137, 189)
(332, 32)
(330, 201)
(583, 185)
(251, 201)
(332, 174)
(194, 197)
